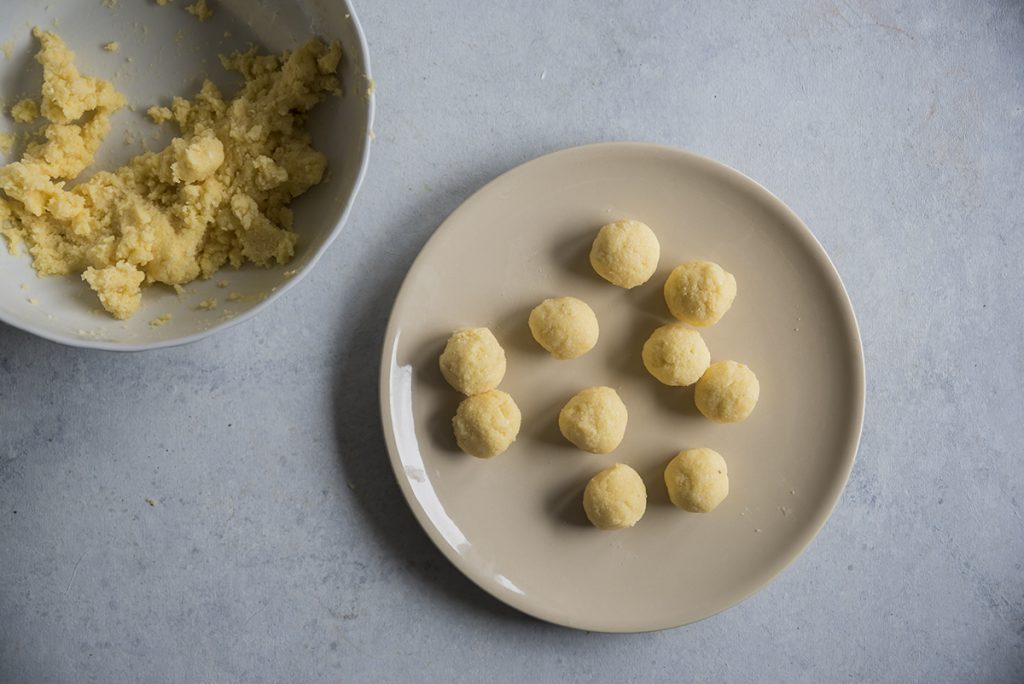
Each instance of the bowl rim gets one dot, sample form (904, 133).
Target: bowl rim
(86, 343)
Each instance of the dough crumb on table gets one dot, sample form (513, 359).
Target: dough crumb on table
(7, 141)
(218, 194)
(112, 46)
(160, 320)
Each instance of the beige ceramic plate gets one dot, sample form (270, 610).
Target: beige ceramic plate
(514, 524)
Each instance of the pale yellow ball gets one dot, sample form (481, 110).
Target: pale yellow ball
(676, 355)
(565, 326)
(594, 420)
(697, 480)
(625, 253)
(486, 424)
(473, 362)
(727, 392)
(615, 498)
(699, 292)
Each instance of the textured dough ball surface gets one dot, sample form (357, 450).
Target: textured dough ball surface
(615, 498)
(699, 292)
(473, 362)
(727, 392)
(594, 420)
(625, 253)
(676, 355)
(486, 424)
(565, 326)
(697, 480)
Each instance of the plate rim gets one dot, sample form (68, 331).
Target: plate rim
(858, 390)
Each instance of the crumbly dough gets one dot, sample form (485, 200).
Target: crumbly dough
(117, 287)
(7, 141)
(565, 326)
(615, 498)
(112, 46)
(216, 195)
(594, 420)
(486, 424)
(200, 10)
(625, 253)
(676, 355)
(699, 292)
(25, 111)
(727, 392)
(159, 115)
(697, 480)
(472, 361)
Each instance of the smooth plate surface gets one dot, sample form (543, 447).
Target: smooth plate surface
(166, 52)
(515, 524)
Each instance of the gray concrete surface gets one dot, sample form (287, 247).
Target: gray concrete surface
(278, 549)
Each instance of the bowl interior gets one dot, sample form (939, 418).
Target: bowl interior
(164, 52)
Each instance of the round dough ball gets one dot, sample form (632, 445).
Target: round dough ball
(676, 355)
(473, 362)
(615, 498)
(697, 480)
(727, 392)
(699, 292)
(566, 327)
(486, 424)
(625, 253)
(594, 420)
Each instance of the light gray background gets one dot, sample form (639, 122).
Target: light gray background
(279, 549)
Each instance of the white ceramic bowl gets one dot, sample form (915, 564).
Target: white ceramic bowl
(165, 51)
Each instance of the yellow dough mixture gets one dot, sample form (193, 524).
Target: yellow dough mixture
(676, 355)
(727, 392)
(699, 292)
(486, 424)
(697, 480)
(625, 253)
(594, 420)
(566, 327)
(216, 195)
(615, 498)
(472, 361)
